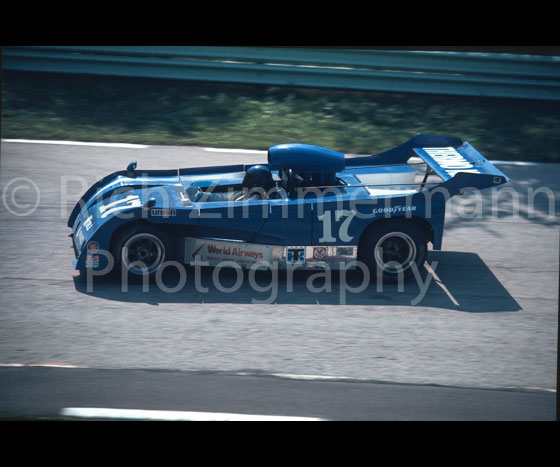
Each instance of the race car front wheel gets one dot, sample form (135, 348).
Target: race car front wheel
(392, 249)
(140, 251)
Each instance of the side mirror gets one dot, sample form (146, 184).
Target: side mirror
(150, 203)
(130, 169)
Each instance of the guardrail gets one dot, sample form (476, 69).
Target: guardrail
(458, 73)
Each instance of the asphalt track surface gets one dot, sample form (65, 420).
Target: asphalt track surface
(480, 344)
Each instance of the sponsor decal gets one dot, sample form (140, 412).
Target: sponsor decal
(79, 238)
(215, 251)
(345, 251)
(394, 209)
(316, 265)
(163, 212)
(319, 253)
(92, 261)
(233, 251)
(340, 255)
(295, 255)
(88, 223)
(93, 247)
(450, 160)
(196, 252)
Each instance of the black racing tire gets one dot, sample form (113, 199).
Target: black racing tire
(392, 248)
(140, 250)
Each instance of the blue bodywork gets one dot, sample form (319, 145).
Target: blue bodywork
(339, 197)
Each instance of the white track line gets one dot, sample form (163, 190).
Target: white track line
(514, 163)
(224, 150)
(167, 415)
(277, 375)
(76, 143)
(317, 377)
(540, 389)
(46, 365)
(236, 151)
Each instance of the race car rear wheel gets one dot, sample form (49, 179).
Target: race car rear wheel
(140, 251)
(392, 249)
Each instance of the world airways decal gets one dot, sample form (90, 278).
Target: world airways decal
(216, 251)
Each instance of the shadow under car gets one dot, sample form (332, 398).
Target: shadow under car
(460, 281)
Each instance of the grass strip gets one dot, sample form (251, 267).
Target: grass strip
(180, 112)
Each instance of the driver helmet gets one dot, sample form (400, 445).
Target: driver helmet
(258, 176)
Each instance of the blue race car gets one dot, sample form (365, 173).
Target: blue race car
(309, 207)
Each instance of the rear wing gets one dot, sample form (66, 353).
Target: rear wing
(461, 167)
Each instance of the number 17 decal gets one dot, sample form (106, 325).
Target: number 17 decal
(326, 220)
